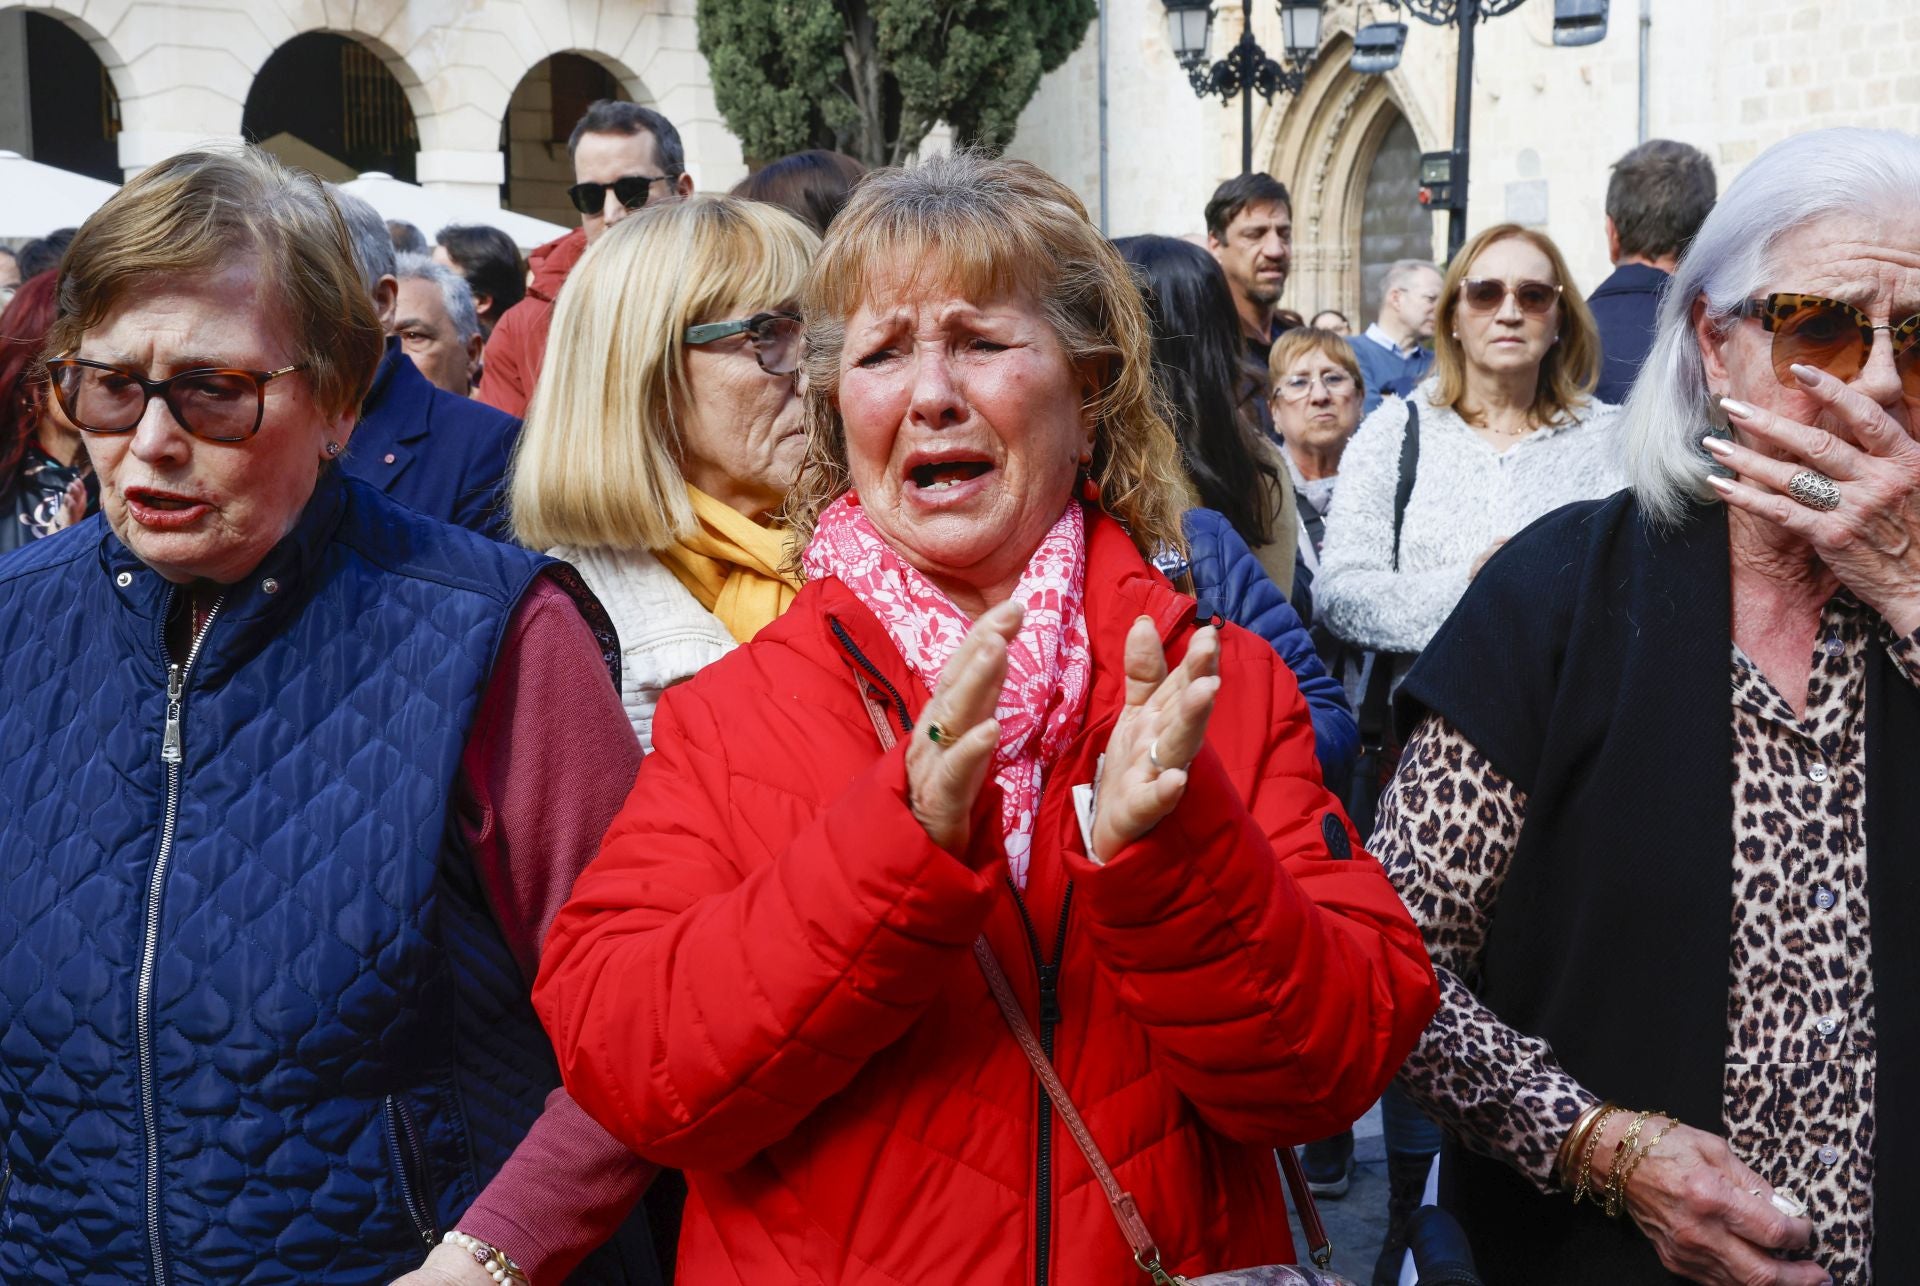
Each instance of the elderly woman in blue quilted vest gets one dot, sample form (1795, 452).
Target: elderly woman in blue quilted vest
(291, 782)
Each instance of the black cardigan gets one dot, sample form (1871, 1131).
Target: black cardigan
(1589, 662)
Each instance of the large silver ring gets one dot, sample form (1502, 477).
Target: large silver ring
(1153, 755)
(1814, 490)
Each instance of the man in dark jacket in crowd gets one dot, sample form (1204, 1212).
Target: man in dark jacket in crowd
(1658, 197)
(436, 452)
(625, 157)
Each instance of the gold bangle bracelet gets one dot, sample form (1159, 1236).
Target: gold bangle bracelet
(1567, 1157)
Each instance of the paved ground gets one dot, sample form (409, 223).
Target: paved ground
(1357, 1222)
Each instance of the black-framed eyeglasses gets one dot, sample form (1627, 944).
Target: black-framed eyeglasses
(631, 190)
(211, 402)
(775, 338)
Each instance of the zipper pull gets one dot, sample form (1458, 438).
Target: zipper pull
(1050, 995)
(170, 749)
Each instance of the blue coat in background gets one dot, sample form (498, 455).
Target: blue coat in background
(436, 453)
(1625, 307)
(1387, 372)
(1229, 582)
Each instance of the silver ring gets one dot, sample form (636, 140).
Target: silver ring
(1153, 755)
(1814, 490)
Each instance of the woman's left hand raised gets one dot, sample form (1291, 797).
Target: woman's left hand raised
(1160, 731)
(1871, 539)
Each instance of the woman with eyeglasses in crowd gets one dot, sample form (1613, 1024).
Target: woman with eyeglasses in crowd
(666, 431)
(1665, 863)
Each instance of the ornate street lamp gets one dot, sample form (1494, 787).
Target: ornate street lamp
(1246, 70)
(1376, 49)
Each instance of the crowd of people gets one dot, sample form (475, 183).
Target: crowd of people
(855, 730)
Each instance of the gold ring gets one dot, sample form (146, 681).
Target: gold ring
(937, 734)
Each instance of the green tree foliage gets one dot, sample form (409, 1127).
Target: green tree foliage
(872, 77)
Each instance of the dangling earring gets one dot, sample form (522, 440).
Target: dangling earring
(1089, 486)
(333, 450)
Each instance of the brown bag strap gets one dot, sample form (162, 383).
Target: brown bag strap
(1125, 1212)
(1132, 1227)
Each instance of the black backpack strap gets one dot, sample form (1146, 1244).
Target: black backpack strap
(1409, 470)
(1374, 714)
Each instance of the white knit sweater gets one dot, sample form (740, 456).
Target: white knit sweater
(1466, 495)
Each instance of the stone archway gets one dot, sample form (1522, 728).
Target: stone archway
(1323, 146)
(61, 87)
(546, 104)
(332, 103)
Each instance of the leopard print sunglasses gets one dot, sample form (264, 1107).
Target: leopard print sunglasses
(1836, 337)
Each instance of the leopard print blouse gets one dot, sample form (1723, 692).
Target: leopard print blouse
(1799, 1076)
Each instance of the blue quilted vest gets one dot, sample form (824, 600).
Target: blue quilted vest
(255, 1020)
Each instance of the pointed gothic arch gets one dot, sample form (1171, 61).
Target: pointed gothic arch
(1324, 146)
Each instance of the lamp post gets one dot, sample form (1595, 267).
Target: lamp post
(1246, 70)
(1377, 46)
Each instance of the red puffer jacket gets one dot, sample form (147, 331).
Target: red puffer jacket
(517, 349)
(765, 978)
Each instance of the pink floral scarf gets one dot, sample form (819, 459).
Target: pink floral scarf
(1049, 665)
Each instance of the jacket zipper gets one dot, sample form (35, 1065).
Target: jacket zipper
(407, 1162)
(873, 672)
(1049, 974)
(173, 755)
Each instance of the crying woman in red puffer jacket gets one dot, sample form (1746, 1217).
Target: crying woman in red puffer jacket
(768, 980)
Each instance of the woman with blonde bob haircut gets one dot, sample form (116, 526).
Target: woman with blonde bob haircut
(666, 430)
(788, 1000)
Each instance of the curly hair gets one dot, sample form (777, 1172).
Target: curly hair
(986, 228)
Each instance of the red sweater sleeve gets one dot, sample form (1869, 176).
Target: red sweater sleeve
(1272, 964)
(549, 759)
(705, 998)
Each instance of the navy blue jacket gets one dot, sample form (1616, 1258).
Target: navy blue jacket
(1625, 307)
(437, 453)
(1385, 371)
(256, 1021)
(1229, 582)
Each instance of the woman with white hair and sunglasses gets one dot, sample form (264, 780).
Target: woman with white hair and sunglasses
(1664, 864)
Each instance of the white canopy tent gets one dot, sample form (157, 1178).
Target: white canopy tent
(36, 199)
(431, 211)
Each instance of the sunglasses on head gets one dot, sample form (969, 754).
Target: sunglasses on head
(1486, 294)
(1836, 337)
(774, 337)
(631, 191)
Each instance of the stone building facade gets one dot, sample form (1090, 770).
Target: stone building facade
(485, 83)
(1729, 76)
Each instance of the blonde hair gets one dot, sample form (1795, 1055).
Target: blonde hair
(1570, 368)
(599, 460)
(195, 214)
(1303, 340)
(987, 228)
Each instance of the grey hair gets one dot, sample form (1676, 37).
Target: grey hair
(372, 243)
(454, 291)
(1793, 183)
(1401, 272)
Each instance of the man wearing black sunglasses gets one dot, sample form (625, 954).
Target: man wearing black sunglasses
(625, 158)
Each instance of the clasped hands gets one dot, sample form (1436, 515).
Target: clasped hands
(1164, 719)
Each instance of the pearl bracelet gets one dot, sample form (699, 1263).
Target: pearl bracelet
(498, 1266)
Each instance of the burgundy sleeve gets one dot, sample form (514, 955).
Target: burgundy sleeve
(550, 759)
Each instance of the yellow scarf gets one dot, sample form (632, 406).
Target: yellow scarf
(732, 565)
